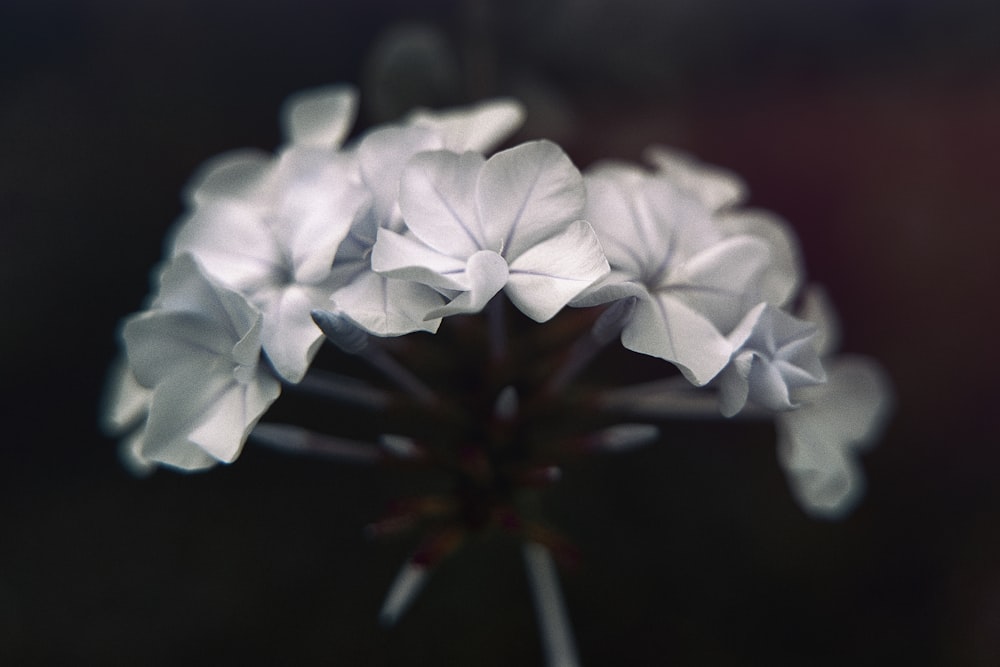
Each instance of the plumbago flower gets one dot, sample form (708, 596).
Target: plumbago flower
(194, 379)
(693, 280)
(819, 443)
(478, 226)
(420, 227)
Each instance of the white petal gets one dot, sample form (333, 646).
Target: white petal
(232, 242)
(666, 327)
(527, 194)
(320, 116)
(158, 341)
(406, 258)
(125, 401)
(180, 403)
(716, 187)
(733, 385)
(291, 338)
(720, 282)
(382, 154)
(436, 198)
(485, 273)
(238, 175)
(387, 306)
(783, 275)
(611, 210)
(232, 416)
(545, 277)
(817, 442)
(478, 128)
(612, 287)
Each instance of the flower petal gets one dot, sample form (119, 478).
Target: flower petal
(817, 442)
(238, 175)
(387, 306)
(782, 277)
(666, 327)
(485, 273)
(720, 282)
(478, 128)
(320, 117)
(526, 194)
(382, 155)
(232, 242)
(291, 338)
(436, 198)
(547, 276)
(233, 414)
(716, 187)
(406, 258)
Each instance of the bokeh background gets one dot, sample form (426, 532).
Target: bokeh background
(872, 126)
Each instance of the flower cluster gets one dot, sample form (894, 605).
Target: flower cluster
(419, 222)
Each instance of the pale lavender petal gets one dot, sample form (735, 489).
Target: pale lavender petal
(406, 258)
(485, 274)
(382, 154)
(783, 275)
(720, 282)
(291, 338)
(232, 242)
(734, 387)
(612, 209)
(238, 175)
(716, 187)
(320, 117)
(616, 285)
(158, 341)
(125, 401)
(547, 276)
(233, 414)
(526, 194)
(180, 404)
(666, 327)
(387, 306)
(478, 128)
(817, 442)
(436, 198)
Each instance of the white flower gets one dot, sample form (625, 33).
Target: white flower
(819, 442)
(197, 351)
(693, 280)
(774, 355)
(270, 228)
(385, 305)
(477, 226)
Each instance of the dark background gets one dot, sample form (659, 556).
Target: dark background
(874, 127)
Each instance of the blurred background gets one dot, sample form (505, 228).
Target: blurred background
(872, 126)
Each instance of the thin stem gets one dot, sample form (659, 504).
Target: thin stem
(298, 440)
(605, 329)
(550, 609)
(673, 398)
(342, 388)
(352, 339)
